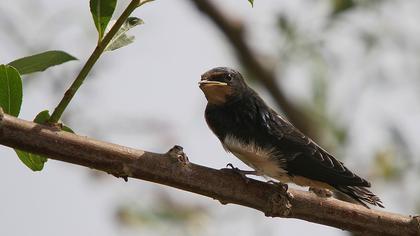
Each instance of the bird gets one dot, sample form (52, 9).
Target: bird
(271, 145)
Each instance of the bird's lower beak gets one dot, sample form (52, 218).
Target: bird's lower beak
(205, 83)
(216, 92)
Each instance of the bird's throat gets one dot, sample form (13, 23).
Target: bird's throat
(217, 95)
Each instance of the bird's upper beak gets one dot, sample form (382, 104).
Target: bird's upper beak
(205, 82)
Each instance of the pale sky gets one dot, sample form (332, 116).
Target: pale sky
(146, 96)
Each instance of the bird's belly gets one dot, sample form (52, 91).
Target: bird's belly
(267, 163)
(263, 165)
(260, 159)
(267, 167)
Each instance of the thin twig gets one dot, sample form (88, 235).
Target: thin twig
(69, 94)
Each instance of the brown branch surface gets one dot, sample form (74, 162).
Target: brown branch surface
(173, 169)
(234, 32)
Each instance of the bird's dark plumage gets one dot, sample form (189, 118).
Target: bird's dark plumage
(271, 145)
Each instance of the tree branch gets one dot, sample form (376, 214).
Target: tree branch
(234, 32)
(173, 169)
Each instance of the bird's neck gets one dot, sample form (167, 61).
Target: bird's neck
(239, 117)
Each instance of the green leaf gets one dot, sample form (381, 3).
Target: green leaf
(340, 6)
(102, 12)
(121, 39)
(67, 129)
(10, 90)
(251, 2)
(41, 61)
(42, 117)
(33, 161)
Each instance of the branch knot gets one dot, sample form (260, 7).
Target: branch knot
(177, 152)
(416, 222)
(280, 204)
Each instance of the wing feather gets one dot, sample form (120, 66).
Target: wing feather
(313, 162)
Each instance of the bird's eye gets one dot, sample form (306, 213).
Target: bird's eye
(228, 78)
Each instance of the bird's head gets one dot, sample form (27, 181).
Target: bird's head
(221, 85)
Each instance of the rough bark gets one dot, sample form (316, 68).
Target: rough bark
(173, 169)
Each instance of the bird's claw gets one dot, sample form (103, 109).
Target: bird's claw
(231, 166)
(236, 170)
(282, 188)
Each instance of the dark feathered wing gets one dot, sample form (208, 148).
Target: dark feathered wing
(309, 160)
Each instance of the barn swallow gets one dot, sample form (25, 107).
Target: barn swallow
(270, 144)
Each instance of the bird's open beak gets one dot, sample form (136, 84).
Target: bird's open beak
(216, 92)
(205, 83)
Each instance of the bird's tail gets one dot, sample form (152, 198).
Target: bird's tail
(360, 194)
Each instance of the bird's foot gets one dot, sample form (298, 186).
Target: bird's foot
(321, 192)
(242, 173)
(282, 188)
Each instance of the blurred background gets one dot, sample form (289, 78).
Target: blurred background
(346, 72)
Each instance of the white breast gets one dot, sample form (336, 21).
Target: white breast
(260, 159)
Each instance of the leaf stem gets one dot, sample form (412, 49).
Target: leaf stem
(69, 94)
